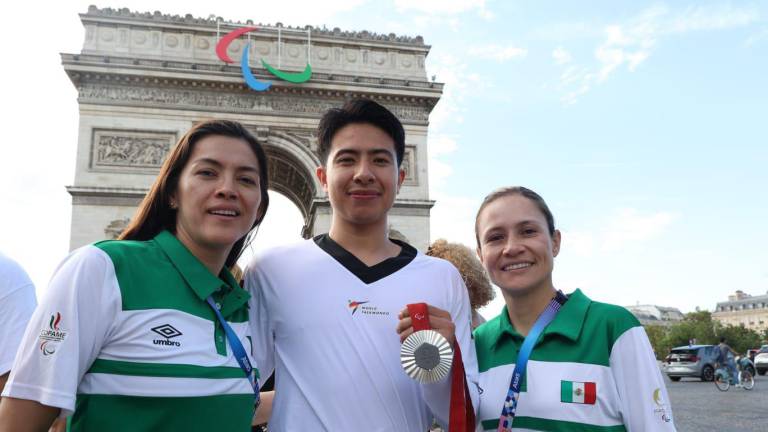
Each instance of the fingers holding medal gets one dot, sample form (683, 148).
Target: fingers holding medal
(439, 319)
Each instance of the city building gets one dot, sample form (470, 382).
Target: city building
(656, 315)
(744, 310)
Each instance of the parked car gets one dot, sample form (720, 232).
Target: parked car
(691, 361)
(751, 353)
(761, 360)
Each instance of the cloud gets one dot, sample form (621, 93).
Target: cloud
(453, 218)
(712, 17)
(624, 228)
(444, 7)
(498, 53)
(757, 37)
(628, 44)
(561, 56)
(631, 226)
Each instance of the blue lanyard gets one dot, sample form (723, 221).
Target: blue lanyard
(238, 351)
(510, 403)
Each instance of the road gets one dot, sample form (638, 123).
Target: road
(700, 407)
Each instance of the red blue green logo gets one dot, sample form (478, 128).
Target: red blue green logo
(250, 79)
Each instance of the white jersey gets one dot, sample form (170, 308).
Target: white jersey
(17, 302)
(326, 323)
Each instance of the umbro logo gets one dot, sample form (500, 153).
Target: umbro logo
(168, 332)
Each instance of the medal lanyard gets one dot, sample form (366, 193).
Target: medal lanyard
(238, 350)
(510, 403)
(461, 415)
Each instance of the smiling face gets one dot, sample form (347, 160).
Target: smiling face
(361, 175)
(218, 195)
(515, 245)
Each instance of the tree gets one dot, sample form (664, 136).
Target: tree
(656, 335)
(739, 338)
(695, 325)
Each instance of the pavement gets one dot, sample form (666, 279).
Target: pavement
(699, 406)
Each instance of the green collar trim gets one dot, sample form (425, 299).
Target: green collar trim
(202, 282)
(567, 323)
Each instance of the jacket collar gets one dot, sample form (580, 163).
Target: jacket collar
(202, 282)
(567, 323)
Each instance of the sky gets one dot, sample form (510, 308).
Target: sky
(642, 124)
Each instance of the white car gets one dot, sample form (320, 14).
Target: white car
(761, 360)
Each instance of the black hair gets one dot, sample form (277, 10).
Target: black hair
(359, 111)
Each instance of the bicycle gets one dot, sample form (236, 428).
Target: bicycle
(723, 378)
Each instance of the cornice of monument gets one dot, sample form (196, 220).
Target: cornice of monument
(159, 18)
(77, 64)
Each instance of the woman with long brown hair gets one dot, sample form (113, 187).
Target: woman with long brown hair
(150, 332)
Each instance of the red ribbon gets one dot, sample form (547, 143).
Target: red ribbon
(462, 415)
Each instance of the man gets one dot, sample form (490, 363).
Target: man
(726, 360)
(17, 302)
(326, 312)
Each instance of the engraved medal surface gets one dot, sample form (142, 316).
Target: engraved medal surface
(426, 356)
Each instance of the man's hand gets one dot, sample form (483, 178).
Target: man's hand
(439, 319)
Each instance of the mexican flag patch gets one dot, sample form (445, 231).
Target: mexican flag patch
(578, 392)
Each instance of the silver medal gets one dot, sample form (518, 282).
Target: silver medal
(426, 356)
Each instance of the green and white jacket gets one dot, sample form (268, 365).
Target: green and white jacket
(125, 339)
(592, 370)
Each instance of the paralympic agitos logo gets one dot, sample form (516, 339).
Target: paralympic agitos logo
(253, 83)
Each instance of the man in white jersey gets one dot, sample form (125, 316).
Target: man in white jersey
(17, 302)
(326, 312)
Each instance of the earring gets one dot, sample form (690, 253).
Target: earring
(173, 205)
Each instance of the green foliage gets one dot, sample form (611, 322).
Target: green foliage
(700, 327)
(656, 335)
(740, 338)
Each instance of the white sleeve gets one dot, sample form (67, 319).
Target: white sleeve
(438, 395)
(15, 310)
(261, 327)
(66, 331)
(643, 396)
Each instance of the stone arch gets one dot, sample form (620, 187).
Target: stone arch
(292, 173)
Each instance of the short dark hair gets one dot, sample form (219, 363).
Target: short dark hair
(155, 213)
(359, 111)
(516, 190)
(722, 339)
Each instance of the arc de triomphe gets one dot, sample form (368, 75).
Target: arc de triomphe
(143, 79)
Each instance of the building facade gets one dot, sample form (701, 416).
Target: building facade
(656, 315)
(143, 79)
(744, 310)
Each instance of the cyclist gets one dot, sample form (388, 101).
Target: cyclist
(725, 358)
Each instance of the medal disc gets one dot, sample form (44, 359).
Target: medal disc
(426, 356)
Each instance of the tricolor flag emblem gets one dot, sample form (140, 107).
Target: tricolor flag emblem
(578, 392)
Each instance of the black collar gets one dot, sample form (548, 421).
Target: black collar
(358, 268)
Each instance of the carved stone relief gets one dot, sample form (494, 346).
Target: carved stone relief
(116, 227)
(121, 149)
(409, 165)
(232, 102)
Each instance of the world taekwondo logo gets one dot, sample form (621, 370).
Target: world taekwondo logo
(168, 332)
(354, 305)
(250, 79)
(51, 336)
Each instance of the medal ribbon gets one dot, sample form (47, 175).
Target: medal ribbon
(461, 415)
(510, 403)
(238, 350)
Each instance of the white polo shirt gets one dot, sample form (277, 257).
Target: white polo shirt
(17, 302)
